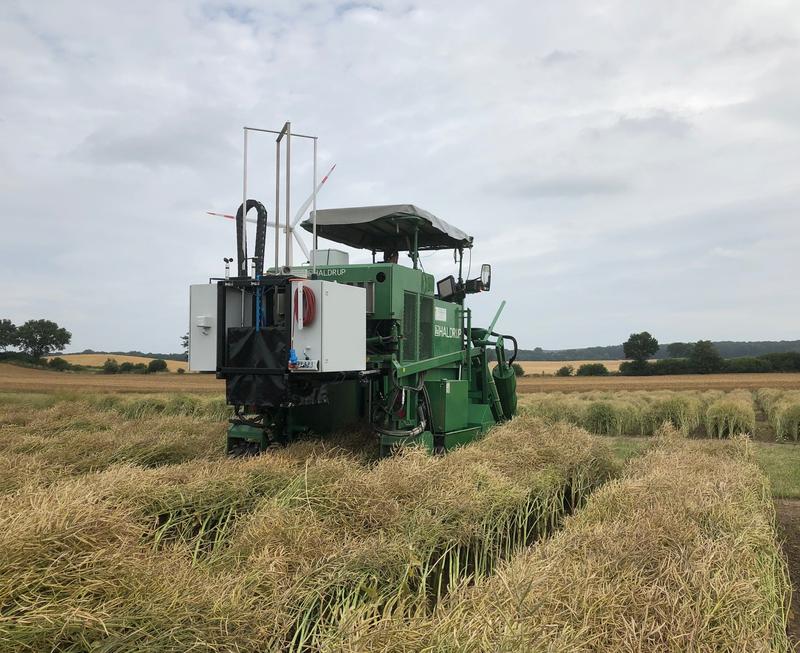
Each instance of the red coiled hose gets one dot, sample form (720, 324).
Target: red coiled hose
(309, 305)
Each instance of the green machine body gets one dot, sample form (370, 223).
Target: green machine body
(420, 373)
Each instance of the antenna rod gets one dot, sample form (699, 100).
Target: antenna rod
(314, 214)
(243, 253)
(288, 195)
(277, 203)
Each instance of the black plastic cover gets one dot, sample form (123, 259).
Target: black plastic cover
(267, 348)
(257, 374)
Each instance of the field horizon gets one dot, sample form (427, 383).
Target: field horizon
(19, 378)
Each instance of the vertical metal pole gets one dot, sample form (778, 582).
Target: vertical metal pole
(314, 214)
(244, 202)
(277, 204)
(287, 201)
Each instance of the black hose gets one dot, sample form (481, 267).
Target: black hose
(261, 238)
(512, 339)
(412, 433)
(424, 410)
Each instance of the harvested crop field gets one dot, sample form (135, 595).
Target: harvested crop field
(786, 381)
(124, 527)
(551, 367)
(15, 378)
(97, 360)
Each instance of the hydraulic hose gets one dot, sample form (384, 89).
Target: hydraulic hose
(261, 238)
(309, 305)
(512, 339)
(424, 411)
(411, 433)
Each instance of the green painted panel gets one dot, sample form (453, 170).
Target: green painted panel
(448, 404)
(462, 437)
(446, 327)
(481, 415)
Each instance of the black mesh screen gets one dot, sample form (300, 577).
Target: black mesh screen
(426, 328)
(410, 326)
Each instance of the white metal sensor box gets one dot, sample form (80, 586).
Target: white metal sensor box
(202, 328)
(336, 338)
(329, 257)
(203, 323)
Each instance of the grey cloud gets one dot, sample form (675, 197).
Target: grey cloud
(181, 142)
(659, 123)
(748, 44)
(345, 7)
(564, 186)
(556, 57)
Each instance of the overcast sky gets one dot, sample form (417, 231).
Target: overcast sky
(623, 165)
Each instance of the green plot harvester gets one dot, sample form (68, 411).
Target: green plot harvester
(323, 346)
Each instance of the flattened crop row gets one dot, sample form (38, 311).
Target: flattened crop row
(272, 553)
(678, 555)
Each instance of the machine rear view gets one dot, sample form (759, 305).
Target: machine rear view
(328, 345)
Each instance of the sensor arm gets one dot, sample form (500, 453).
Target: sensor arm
(497, 316)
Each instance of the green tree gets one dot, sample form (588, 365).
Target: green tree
(58, 364)
(110, 366)
(518, 369)
(8, 334)
(640, 347)
(40, 337)
(566, 370)
(592, 369)
(185, 342)
(705, 358)
(157, 365)
(679, 349)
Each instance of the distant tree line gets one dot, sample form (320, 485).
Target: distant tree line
(726, 349)
(587, 369)
(111, 366)
(166, 357)
(701, 357)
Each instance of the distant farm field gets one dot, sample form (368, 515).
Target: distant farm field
(15, 378)
(96, 360)
(551, 367)
(789, 381)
